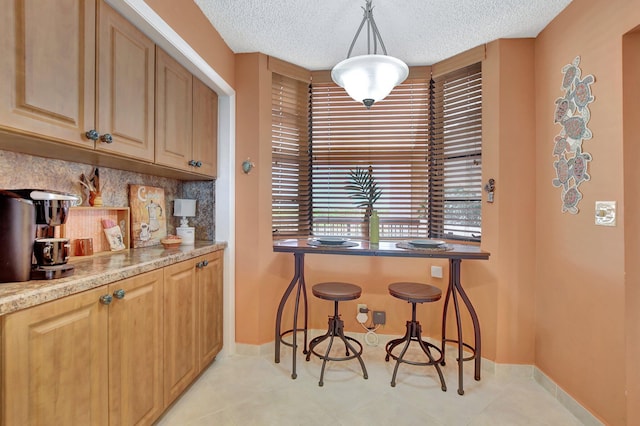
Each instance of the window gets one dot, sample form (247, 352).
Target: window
(455, 155)
(422, 144)
(290, 159)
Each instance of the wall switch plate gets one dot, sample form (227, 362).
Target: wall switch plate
(606, 213)
(436, 271)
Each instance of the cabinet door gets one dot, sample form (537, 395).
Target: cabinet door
(205, 128)
(55, 363)
(47, 65)
(125, 86)
(173, 112)
(135, 350)
(180, 328)
(210, 283)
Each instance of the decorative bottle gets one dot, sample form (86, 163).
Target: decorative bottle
(374, 228)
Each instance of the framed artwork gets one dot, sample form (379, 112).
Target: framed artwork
(572, 113)
(148, 215)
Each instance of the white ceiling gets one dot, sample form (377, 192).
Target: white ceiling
(317, 34)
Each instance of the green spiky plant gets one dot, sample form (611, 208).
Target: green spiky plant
(364, 189)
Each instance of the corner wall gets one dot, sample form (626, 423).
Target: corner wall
(580, 282)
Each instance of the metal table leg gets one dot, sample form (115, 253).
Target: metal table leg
(453, 290)
(298, 283)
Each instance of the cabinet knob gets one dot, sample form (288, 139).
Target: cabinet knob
(192, 163)
(198, 163)
(199, 265)
(205, 262)
(119, 294)
(106, 299)
(106, 138)
(92, 134)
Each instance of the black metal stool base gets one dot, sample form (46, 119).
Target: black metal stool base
(414, 334)
(336, 329)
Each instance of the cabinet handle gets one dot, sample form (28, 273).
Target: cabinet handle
(205, 262)
(106, 138)
(199, 265)
(106, 299)
(92, 134)
(119, 294)
(192, 163)
(198, 163)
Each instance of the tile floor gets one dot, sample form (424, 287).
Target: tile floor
(253, 390)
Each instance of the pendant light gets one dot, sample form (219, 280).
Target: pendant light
(371, 77)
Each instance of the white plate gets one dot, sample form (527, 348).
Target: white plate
(427, 243)
(331, 241)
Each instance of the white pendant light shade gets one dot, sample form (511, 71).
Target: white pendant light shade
(369, 78)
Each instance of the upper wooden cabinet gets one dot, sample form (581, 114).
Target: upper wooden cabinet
(186, 118)
(125, 87)
(47, 64)
(174, 103)
(205, 129)
(78, 73)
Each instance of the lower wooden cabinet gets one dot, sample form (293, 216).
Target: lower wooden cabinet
(209, 277)
(55, 363)
(192, 320)
(135, 350)
(114, 355)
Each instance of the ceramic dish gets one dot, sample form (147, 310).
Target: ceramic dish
(331, 241)
(427, 243)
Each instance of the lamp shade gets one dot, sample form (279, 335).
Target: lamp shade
(184, 208)
(369, 78)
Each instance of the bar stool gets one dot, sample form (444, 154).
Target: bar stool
(336, 292)
(414, 293)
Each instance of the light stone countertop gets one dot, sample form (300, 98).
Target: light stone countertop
(96, 271)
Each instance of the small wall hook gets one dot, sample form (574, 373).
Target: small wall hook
(247, 166)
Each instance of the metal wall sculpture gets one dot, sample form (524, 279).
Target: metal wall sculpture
(572, 113)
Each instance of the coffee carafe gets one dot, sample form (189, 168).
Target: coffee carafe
(48, 254)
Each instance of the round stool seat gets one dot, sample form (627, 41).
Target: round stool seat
(336, 291)
(415, 292)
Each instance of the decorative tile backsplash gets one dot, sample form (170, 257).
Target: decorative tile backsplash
(27, 171)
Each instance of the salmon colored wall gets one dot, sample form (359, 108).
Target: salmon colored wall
(631, 123)
(508, 224)
(580, 271)
(186, 18)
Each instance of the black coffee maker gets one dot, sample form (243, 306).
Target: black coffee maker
(28, 220)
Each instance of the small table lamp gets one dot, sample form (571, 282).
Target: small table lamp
(185, 208)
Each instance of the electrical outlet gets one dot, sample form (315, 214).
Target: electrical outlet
(379, 317)
(361, 316)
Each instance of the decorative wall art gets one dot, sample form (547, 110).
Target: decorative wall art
(148, 215)
(572, 113)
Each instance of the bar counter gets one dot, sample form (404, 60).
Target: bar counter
(453, 251)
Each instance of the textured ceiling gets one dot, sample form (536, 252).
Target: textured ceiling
(317, 34)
